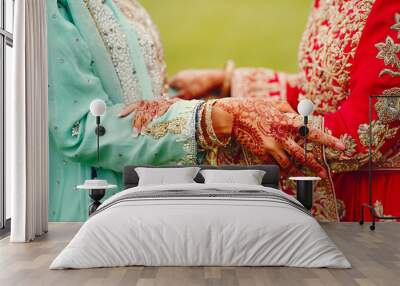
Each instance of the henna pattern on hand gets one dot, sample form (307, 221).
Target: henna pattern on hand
(145, 111)
(262, 128)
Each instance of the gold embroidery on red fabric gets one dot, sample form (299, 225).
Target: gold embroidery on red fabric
(347, 160)
(325, 207)
(324, 201)
(388, 110)
(328, 48)
(388, 107)
(390, 162)
(396, 26)
(349, 165)
(391, 158)
(380, 133)
(350, 150)
(388, 51)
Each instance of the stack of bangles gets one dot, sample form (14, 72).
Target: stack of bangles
(207, 139)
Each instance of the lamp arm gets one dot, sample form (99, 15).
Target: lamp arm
(100, 131)
(305, 139)
(304, 132)
(98, 138)
(93, 172)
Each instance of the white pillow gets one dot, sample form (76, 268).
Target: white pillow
(247, 177)
(166, 176)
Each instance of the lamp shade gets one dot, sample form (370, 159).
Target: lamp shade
(305, 107)
(98, 107)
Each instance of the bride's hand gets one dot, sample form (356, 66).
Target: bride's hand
(195, 84)
(282, 105)
(145, 111)
(264, 129)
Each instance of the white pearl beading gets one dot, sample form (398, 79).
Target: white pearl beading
(149, 41)
(117, 45)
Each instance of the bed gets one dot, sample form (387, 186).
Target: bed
(198, 224)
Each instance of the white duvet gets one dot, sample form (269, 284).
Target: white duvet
(200, 231)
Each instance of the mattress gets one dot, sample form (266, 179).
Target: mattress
(201, 225)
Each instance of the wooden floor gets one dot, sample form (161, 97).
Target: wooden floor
(375, 257)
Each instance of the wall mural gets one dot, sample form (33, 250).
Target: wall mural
(111, 50)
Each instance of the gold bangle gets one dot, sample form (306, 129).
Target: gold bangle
(215, 142)
(201, 139)
(229, 69)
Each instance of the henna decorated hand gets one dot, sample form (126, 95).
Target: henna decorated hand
(276, 102)
(145, 111)
(263, 129)
(194, 84)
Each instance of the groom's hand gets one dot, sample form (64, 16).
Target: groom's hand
(195, 84)
(145, 111)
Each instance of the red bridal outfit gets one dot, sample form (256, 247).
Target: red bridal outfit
(349, 52)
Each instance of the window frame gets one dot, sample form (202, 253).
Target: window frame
(6, 39)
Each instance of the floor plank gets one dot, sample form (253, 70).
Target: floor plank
(375, 257)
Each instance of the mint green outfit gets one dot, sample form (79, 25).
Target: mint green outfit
(82, 68)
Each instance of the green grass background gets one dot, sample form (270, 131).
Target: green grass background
(205, 33)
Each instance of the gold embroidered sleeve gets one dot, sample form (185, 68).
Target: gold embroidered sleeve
(376, 91)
